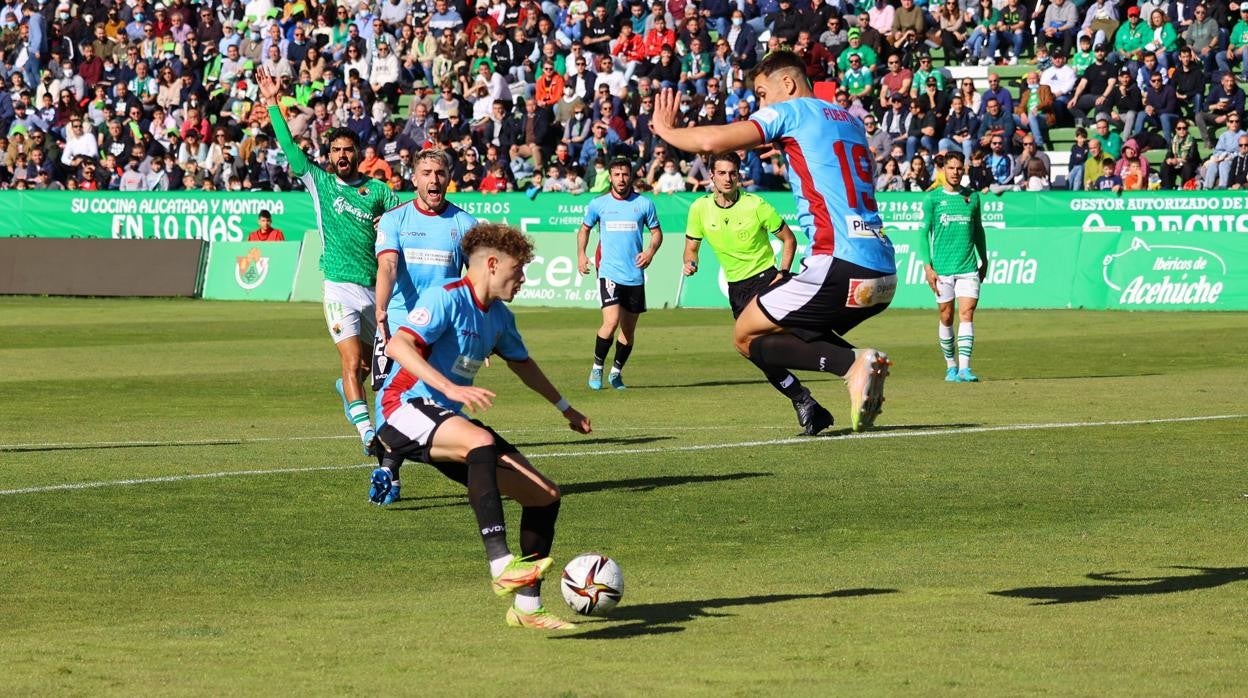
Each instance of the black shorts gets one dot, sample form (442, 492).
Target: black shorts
(740, 293)
(828, 296)
(630, 298)
(408, 434)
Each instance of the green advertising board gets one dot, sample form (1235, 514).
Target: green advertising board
(552, 278)
(251, 271)
(209, 216)
(1163, 250)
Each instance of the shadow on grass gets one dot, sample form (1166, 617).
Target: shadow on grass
(715, 384)
(37, 448)
(1079, 377)
(898, 427)
(614, 440)
(1113, 585)
(664, 618)
(646, 484)
(636, 484)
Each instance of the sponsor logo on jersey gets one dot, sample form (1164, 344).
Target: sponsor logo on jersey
(419, 317)
(427, 256)
(864, 293)
(619, 226)
(251, 269)
(466, 367)
(856, 227)
(341, 205)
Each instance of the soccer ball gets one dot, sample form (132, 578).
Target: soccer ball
(592, 584)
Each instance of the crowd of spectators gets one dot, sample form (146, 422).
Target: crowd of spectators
(536, 95)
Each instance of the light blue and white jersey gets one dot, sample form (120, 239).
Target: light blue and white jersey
(455, 334)
(429, 252)
(621, 225)
(830, 172)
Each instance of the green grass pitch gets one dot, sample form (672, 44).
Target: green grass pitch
(1074, 525)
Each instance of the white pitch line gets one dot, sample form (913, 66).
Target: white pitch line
(630, 451)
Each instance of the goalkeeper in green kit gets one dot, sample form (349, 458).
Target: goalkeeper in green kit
(955, 259)
(347, 205)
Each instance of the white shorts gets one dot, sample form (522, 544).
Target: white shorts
(350, 311)
(957, 286)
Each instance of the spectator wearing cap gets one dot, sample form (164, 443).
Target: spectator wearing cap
(25, 119)
(481, 16)
(1124, 103)
(858, 48)
(935, 100)
(192, 149)
(1131, 38)
(1060, 78)
(926, 71)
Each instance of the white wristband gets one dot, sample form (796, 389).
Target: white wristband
(563, 404)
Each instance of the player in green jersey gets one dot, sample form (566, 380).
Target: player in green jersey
(955, 256)
(347, 205)
(737, 226)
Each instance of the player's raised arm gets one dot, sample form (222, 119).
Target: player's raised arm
(271, 91)
(700, 139)
(532, 376)
(402, 348)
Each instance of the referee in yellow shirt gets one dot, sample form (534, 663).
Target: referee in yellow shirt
(737, 226)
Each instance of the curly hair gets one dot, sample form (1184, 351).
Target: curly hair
(499, 236)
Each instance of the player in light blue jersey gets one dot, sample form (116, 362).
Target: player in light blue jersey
(620, 216)
(850, 273)
(418, 246)
(439, 347)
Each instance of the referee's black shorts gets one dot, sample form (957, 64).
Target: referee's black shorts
(740, 293)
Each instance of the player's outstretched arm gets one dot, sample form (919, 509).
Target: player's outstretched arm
(700, 139)
(271, 92)
(532, 376)
(402, 348)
